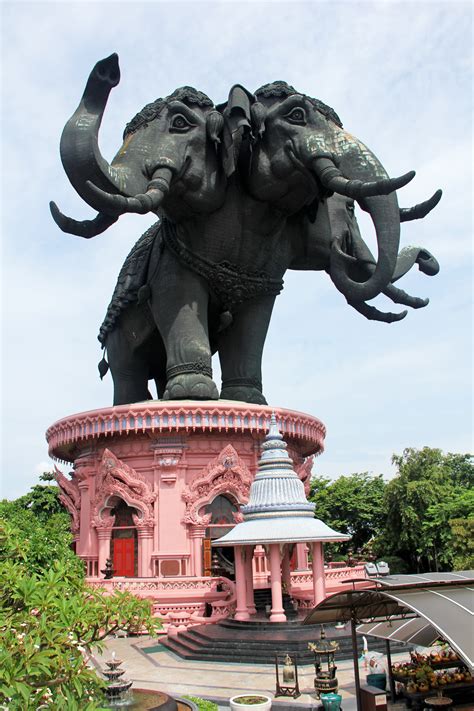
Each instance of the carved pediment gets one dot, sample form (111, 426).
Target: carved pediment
(70, 497)
(116, 478)
(226, 474)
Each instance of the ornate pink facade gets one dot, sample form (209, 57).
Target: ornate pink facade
(145, 480)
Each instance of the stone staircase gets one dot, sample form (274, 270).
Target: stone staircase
(263, 598)
(256, 642)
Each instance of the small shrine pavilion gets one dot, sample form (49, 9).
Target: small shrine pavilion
(276, 516)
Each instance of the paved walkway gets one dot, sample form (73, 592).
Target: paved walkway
(218, 681)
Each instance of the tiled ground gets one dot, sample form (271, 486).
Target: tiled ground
(165, 671)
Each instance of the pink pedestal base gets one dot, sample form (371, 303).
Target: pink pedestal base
(145, 479)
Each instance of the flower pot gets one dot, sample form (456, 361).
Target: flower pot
(331, 702)
(249, 702)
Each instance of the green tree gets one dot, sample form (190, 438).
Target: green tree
(50, 620)
(429, 490)
(351, 504)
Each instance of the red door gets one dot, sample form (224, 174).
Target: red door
(124, 557)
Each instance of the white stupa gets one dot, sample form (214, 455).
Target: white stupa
(277, 515)
(278, 510)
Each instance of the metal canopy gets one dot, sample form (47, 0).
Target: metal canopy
(414, 630)
(442, 601)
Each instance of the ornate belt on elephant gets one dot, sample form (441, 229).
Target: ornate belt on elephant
(230, 283)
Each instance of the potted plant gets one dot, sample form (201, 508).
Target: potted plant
(250, 702)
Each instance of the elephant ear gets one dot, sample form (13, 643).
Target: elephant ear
(237, 125)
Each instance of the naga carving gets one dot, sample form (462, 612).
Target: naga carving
(70, 497)
(116, 478)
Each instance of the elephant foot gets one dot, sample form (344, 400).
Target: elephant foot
(243, 393)
(192, 386)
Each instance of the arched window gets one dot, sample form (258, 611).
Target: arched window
(222, 520)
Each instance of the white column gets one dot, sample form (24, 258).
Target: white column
(277, 611)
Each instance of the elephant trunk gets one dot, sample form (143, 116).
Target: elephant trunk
(384, 212)
(79, 147)
(362, 176)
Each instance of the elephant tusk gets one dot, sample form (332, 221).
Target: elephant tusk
(119, 204)
(84, 228)
(398, 296)
(332, 179)
(373, 314)
(417, 212)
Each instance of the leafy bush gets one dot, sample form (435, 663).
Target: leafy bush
(50, 620)
(202, 704)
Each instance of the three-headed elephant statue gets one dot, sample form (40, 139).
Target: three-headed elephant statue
(243, 192)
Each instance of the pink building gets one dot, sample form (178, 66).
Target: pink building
(155, 483)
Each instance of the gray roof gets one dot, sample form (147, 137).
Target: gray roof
(278, 510)
(443, 600)
(280, 529)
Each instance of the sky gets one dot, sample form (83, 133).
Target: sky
(399, 74)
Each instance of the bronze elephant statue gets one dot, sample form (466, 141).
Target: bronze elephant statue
(243, 192)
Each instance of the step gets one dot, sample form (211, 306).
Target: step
(249, 643)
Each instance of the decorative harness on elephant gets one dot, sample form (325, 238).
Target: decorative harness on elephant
(229, 282)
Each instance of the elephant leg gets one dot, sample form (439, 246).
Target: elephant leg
(129, 370)
(240, 351)
(179, 303)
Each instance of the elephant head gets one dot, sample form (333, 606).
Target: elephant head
(336, 220)
(303, 156)
(168, 161)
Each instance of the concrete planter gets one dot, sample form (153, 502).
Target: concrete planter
(265, 705)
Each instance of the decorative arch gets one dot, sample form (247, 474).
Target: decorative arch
(115, 478)
(226, 474)
(70, 497)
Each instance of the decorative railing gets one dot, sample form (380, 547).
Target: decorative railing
(176, 417)
(305, 578)
(204, 584)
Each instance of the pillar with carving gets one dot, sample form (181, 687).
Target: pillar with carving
(84, 469)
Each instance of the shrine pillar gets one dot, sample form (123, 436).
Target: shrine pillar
(277, 611)
(241, 610)
(302, 556)
(104, 535)
(197, 534)
(285, 568)
(319, 584)
(83, 471)
(249, 580)
(145, 549)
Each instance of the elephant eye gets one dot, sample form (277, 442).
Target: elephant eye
(297, 115)
(180, 123)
